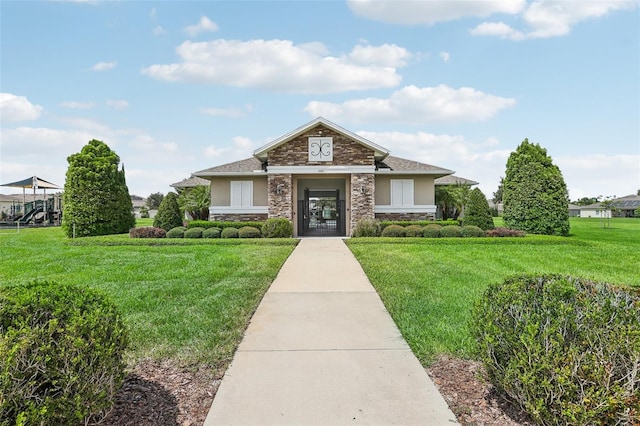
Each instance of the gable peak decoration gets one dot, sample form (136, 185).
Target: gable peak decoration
(320, 148)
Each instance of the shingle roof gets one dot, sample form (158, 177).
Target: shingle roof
(190, 182)
(401, 165)
(628, 202)
(454, 180)
(248, 165)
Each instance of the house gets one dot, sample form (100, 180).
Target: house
(574, 210)
(324, 179)
(620, 207)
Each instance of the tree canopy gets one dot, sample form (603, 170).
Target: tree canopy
(196, 201)
(534, 192)
(96, 199)
(169, 215)
(154, 200)
(477, 211)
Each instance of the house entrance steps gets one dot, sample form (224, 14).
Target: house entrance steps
(321, 349)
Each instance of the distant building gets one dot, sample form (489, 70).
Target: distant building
(621, 207)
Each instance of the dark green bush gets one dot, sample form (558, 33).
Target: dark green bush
(277, 228)
(394, 231)
(61, 354)
(431, 231)
(477, 211)
(367, 228)
(413, 231)
(472, 231)
(403, 223)
(169, 215)
(177, 232)
(565, 349)
(200, 224)
(193, 233)
(249, 232)
(229, 233)
(451, 231)
(147, 232)
(229, 224)
(211, 233)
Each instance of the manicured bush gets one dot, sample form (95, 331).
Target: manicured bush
(193, 233)
(565, 349)
(177, 232)
(477, 211)
(211, 233)
(249, 232)
(394, 231)
(61, 354)
(277, 228)
(451, 231)
(472, 231)
(404, 223)
(413, 231)
(147, 232)
(505, 232)
(229, 233)
(431, 231)
(169, 215)
(367, 228)
(199, 224)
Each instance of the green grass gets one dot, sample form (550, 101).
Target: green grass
(430, 285)
(188, 300)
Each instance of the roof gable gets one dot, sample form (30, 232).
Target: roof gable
(379, 152)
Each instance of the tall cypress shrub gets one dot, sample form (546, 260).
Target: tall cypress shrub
(169, 215)
(535, 196)
(477, 212)
(96, 198)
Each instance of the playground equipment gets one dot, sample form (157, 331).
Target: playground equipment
(46, 210)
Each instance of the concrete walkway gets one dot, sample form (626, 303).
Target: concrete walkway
(321, 349)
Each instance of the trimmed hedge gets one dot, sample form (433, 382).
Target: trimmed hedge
(147, 232)
(61, 354)
(451, 231)
(394, 231)
(211, 232)
(403, 223)
(222, 224)
(277, 228)
(193, 233)
(229, 233)
(564, 348)
(413, 230)
(367, 228)
(177, 232)
(431, 231)
(249, 232)
(472, 231)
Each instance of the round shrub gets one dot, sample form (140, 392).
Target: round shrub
(229, 232)
(472, 231)
(211, 233)
(367, 228)
(61, 354)
(177, 232)
(394, 231)
(451, 231)
(277, 228)
(169, 215)
(413, 231)
(431, 231)
(193, 233)
(565, 349)
(147, 232)
(249, 232)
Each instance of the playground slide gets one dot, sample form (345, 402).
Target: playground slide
(30, 215)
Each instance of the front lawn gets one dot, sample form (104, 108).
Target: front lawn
(185, 300)
(430, 285)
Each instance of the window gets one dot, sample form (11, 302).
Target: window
(402, 192)
(241, 193)
(321, 149)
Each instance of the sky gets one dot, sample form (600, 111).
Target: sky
(174, 87)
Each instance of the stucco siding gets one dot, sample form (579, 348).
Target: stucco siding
(221, 190)
(424, 192)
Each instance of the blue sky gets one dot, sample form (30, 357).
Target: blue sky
(176, 87)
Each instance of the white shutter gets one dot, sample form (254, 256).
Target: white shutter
(241, 193)
(247, 194)
(236, 194)
(396, 192)
(402, 192)
(407, 192)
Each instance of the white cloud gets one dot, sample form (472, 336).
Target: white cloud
(411, 12)
(282, 66)
(77, 105)
(158, 31)
(15, 108)
(416, 105)
(104, 66)
(204, 25)
(239, 148)
(118, 104)
(445, 56)
(545, 19)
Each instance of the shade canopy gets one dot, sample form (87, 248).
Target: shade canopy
(33, 182)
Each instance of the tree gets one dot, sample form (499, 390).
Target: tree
(196, 201)
(586, 201)
(96, 198)
(535, 195)
(169, 215)
(451, 199)
(154, 200)
(477, 211)
(497, 196)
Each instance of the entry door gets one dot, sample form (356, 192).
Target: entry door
(321, 214)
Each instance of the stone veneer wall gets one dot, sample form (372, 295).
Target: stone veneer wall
(237, 217)
(280, 205)
(405, 216)
(345, 151)
(362, 205)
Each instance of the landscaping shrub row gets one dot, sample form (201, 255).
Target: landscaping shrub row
(271, 228)
(223, 224)
(373, 228)
(423, 223)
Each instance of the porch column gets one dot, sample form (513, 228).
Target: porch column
(280, 196)
(362, 197)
